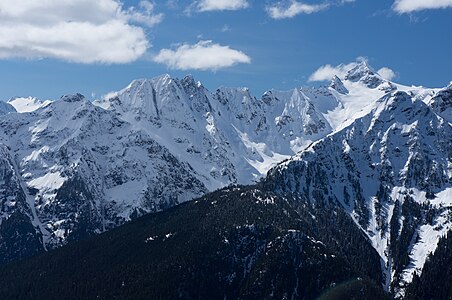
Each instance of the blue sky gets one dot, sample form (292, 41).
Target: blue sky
(94, 47)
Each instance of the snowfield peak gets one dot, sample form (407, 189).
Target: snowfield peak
(73, 98)
(28, 104)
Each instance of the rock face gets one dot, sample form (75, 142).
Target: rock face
(338, 86)
(71, 168)
(441, 102)
(19, 237)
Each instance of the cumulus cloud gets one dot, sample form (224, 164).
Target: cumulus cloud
(387, 73)
(289, 9)
(211, 5)
(327, 72)
(205, 55)
(408, 6)
(81, 31)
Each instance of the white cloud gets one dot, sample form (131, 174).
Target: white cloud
(146, 15)
(327, 72)
(204, 55)
(283, 10)
(81, 31)
(408, 6)
(211, 5)
(387, 73)
(290, 8)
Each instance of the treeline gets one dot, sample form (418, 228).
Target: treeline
(238, 243)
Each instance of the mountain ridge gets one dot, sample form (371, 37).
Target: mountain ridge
(81, 168)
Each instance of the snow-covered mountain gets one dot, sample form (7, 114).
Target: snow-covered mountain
(391, 170)
(230, 136)
(27, 104)
(72, 168)
(227, 136)
(83, 170)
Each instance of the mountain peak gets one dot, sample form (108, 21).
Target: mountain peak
(337, 85)
(189, 82)
(189, 79)
(73, 98)
(360, 70)
(162, 77)
(365, 74)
